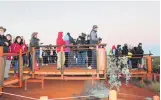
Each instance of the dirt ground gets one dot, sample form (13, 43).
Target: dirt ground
(60, 89)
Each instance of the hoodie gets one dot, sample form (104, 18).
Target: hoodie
(59, 42)
(67, 42)
(113, 49)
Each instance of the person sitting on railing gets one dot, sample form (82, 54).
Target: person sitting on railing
(67, 50)
(140, 53)
(15, 48)
(60, 55)
(118, 52)
(81, 53)
(8, 58)
(24, 49)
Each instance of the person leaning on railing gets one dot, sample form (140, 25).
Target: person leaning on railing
(8, 58)
(34, 42)
(15, 48)
(60, 42)
(81, 53)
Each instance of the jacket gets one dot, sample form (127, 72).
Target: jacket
(34, 42)
(15, 48)
(60, 42)
(93, 37)
(3, 39)
(67, 42)
(9, 51)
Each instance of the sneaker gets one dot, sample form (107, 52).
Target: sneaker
(89, 67)
(58, 68)
(15, 75)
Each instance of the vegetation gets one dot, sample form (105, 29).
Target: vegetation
(156, 64)
(117, 68)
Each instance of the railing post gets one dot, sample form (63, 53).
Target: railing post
(97, 61)
(149, 59)
(105, 71)
(20, 68)
(1, 69)
(33, 61)
(112, 95)
(149, 64)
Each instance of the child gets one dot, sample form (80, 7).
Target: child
(60, 42)
(15, 48)
(8, 58)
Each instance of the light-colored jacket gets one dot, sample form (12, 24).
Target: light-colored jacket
(93, 37)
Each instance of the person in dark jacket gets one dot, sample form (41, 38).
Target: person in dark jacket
(125, 50)
(3, 40)
(118, 51)
(71, 40)
(140, 53)
(8, 58)
(81, 53)
(133, 59)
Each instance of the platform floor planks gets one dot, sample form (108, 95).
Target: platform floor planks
(51, 69)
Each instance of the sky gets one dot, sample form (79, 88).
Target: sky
(119, 22)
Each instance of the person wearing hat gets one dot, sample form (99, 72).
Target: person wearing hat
(3, 40)
(34, 42)
(93, 40)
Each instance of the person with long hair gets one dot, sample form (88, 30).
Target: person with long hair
(15, 48)
(8, 58)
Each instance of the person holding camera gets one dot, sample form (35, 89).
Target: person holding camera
(81, 53)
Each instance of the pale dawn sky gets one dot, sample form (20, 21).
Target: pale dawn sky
(119, 22)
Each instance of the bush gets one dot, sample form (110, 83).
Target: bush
(155, 86)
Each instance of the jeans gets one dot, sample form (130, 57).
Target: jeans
(37, 54)
(16, 66)
(82, 59)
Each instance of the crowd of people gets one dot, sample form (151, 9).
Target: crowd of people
(15, 45)
(134, 54)
(85, 58)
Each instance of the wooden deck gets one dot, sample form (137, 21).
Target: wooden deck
(13, 80)
(52, 70)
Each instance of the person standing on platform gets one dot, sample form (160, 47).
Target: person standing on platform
(34, 42)
(60, 55)
(15, 48)
(67, 51)
(8, 58)
(93, 40)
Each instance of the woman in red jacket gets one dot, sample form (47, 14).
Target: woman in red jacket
(15, 48)
(60, 42)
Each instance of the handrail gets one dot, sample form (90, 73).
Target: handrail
(82, 45)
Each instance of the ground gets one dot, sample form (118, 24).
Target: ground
(57, 89)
